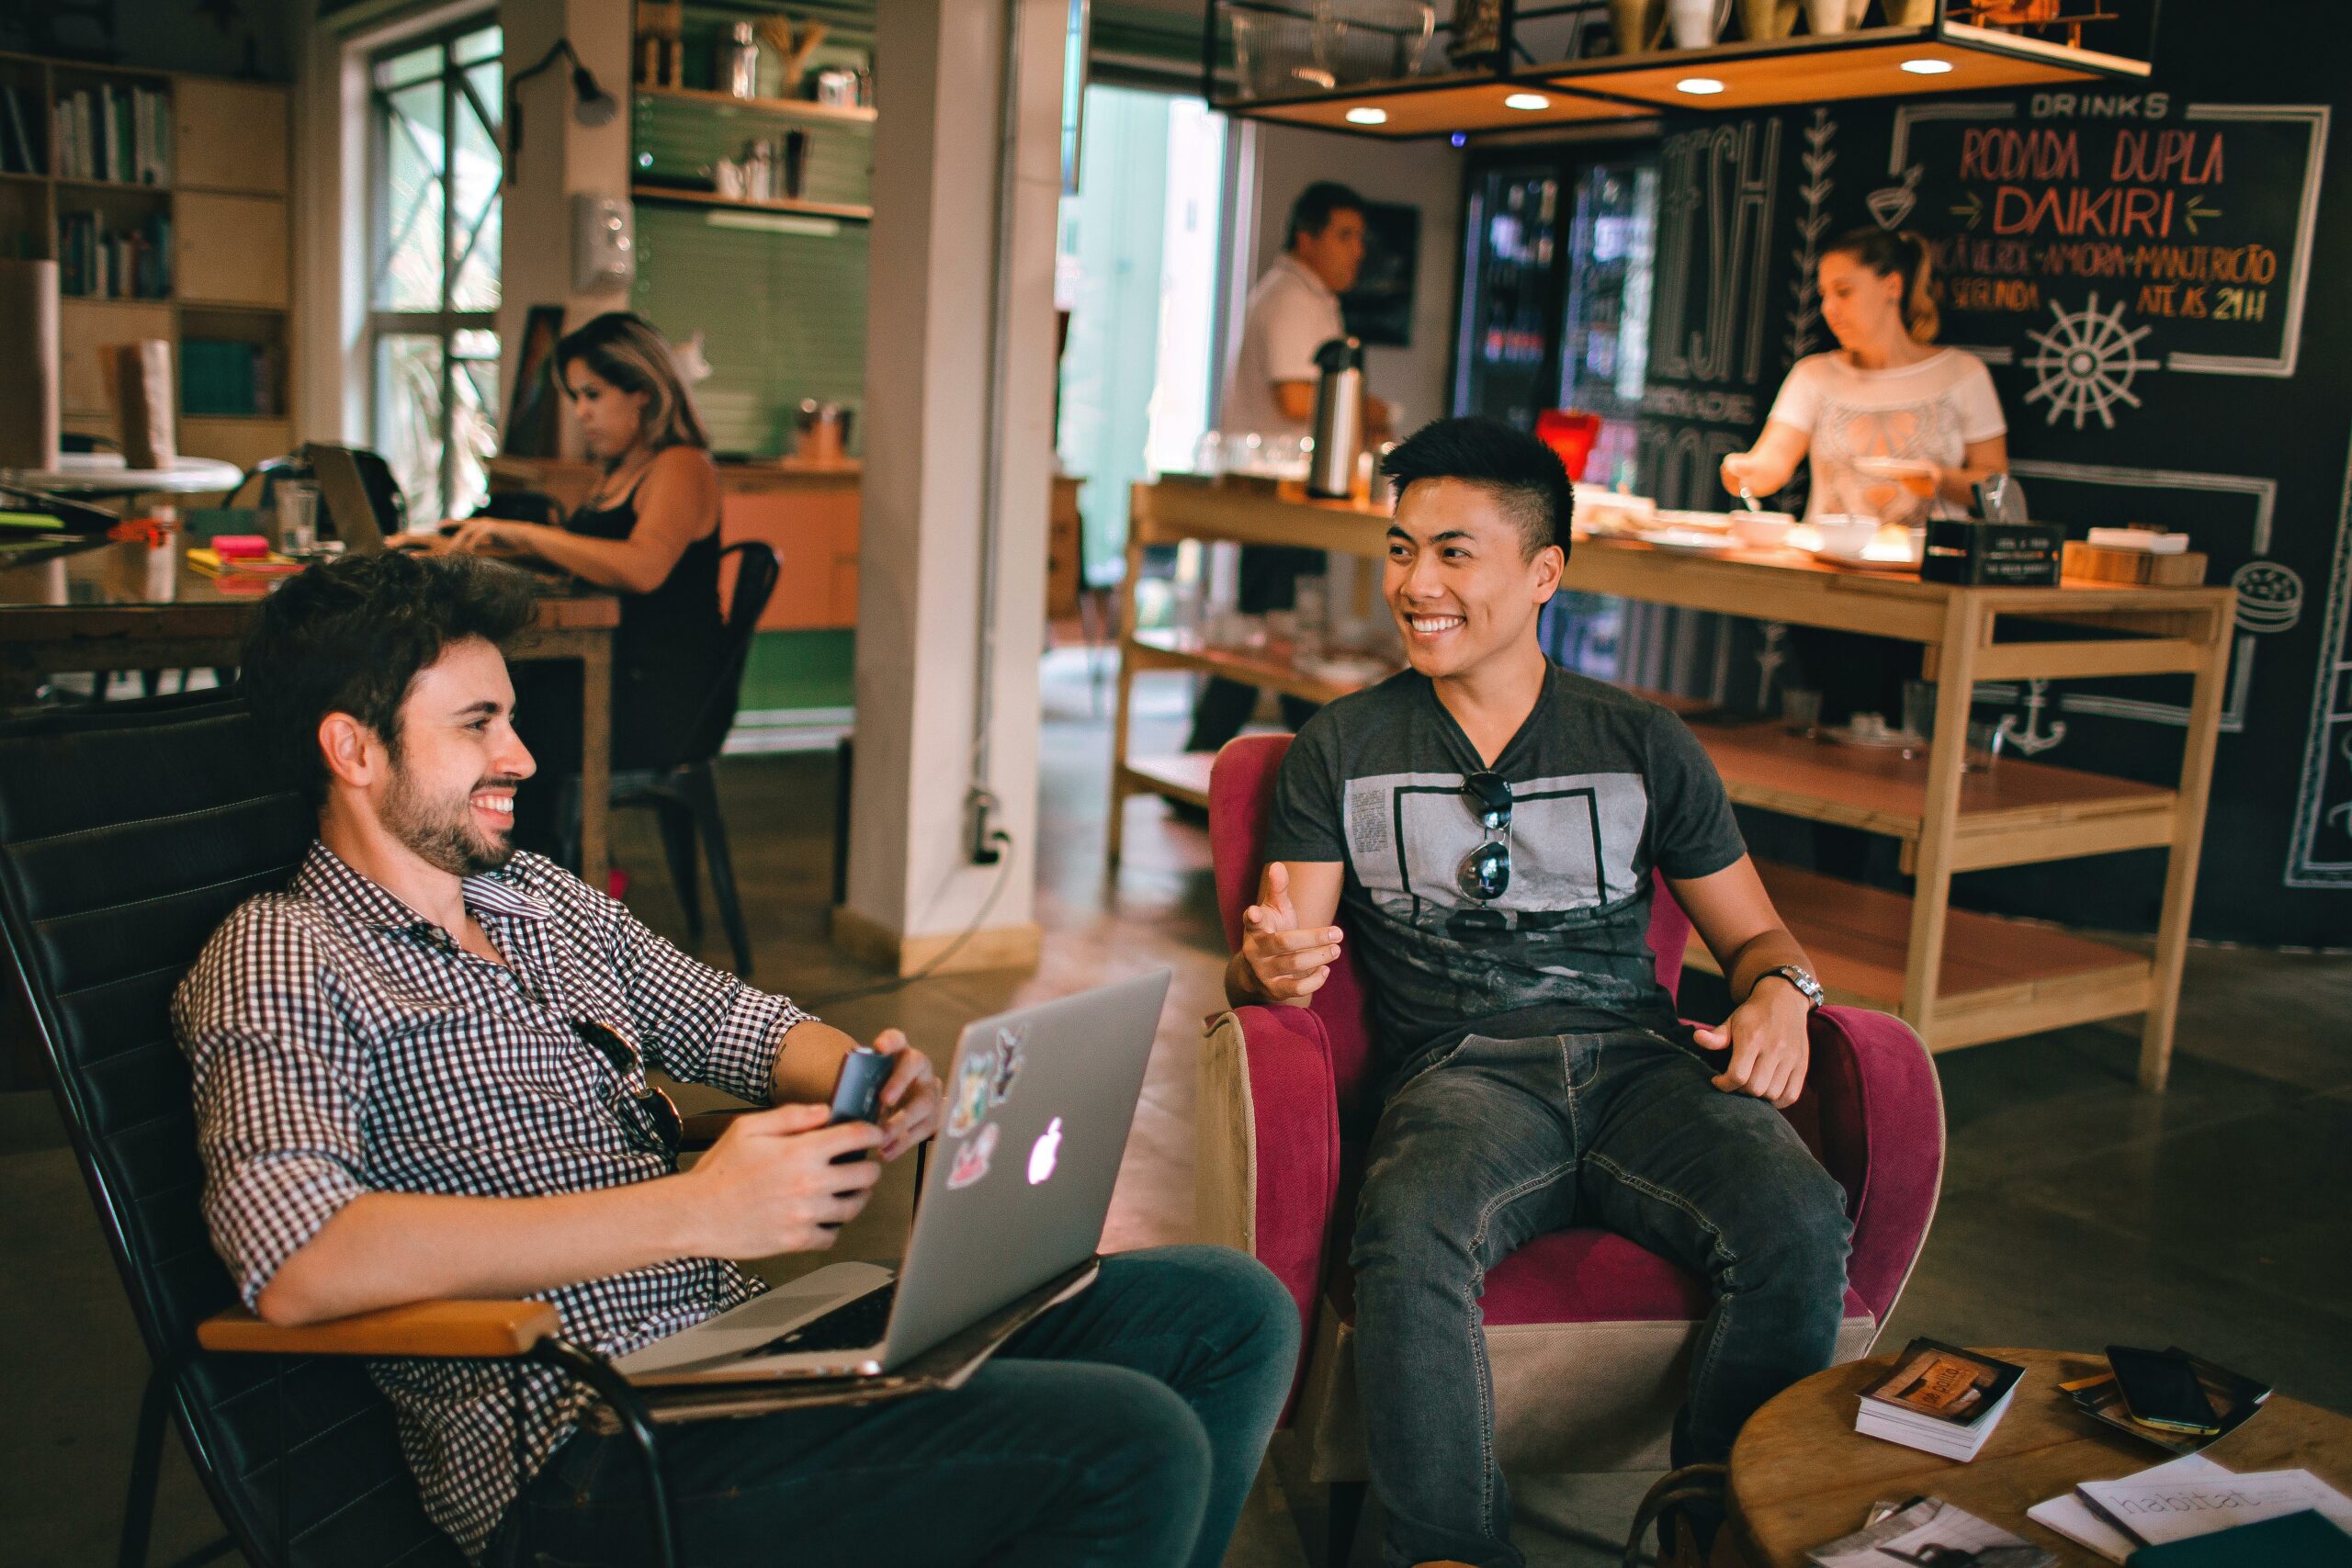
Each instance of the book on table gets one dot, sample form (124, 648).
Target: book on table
(2182, 1500)
(1939, 1398)
(1930, 1531)
(2307, 1539)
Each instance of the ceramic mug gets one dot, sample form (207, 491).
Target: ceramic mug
(1827, 17)
(1696, 24)
(1763, 20)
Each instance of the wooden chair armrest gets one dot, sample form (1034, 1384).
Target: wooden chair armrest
(487, 1330)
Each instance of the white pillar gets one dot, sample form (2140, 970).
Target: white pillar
(940, 67)
(558, 157)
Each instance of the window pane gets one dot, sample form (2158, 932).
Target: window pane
(474, 428)
(475, 172)
(416, 65)
(478, 46)
(408, 418)
(409, 273)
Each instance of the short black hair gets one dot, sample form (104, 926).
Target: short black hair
(1524, 474)
(1311, 213)
(350, 636)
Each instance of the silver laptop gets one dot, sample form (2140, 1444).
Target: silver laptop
(348, 505)
(1038, 1105)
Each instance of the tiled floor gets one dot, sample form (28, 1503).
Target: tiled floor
(2076, 1211)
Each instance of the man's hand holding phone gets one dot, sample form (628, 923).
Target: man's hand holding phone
(771, 1185)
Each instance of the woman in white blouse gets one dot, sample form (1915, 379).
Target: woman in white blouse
(1892, 424)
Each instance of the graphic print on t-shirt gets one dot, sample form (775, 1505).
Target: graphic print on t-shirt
(1923, 430)
(1573, 841)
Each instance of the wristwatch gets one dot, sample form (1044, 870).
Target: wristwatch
(1797, 977)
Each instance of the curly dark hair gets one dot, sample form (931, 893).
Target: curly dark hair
(350, 636)
(1521, 472)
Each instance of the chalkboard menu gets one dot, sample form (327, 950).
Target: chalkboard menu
(2143, 270)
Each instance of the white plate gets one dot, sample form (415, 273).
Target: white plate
(1866, 563)
(1686, 541)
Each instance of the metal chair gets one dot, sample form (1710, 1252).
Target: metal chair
(126, 837)
(684, 796)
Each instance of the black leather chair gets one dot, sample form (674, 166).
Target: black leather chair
(684, 796)
(126, 836)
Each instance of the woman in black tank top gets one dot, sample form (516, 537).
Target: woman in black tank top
(650, 530)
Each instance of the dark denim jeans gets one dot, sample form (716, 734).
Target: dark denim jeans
(1499, 1141)
(1124, 1427)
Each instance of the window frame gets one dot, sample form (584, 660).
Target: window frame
(446, 322)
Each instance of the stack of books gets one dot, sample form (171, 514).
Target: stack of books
(1939, 1398)
(2233, 1396)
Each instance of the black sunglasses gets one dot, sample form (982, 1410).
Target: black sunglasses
(653, 1119)
(1485, 872)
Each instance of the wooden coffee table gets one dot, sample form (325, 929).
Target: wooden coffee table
(1801, 1475)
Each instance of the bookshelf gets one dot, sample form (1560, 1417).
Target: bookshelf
(163, 196)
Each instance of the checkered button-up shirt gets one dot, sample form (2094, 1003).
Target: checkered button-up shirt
(342, 1045)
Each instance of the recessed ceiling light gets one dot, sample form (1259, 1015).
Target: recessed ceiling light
(1527, 101)
(1927, 67)
(1699, 86)
(1367, 116)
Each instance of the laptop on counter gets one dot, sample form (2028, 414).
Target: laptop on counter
(1038, 1105)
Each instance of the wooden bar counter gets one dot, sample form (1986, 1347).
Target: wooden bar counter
(1959, 979)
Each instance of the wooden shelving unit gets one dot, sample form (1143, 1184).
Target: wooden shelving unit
(1959, 979)
(1943, 56)
(848, 213)
(802, 109)
(230, 241)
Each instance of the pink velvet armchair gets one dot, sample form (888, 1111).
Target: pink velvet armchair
(1587, 1333)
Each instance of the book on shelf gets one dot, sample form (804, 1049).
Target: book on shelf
(99, 262)
(2233, 1395)
(1939, 1398)
(119, 134)
(17, 154)
(227, 377)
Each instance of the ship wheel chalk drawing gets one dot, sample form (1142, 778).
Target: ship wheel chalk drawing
(2087, 363)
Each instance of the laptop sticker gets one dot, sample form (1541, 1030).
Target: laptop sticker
(972, 1159)
(970, 1104)
(1009, 1058)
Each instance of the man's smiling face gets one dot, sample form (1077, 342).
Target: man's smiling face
(1460, 579)
(456, 763)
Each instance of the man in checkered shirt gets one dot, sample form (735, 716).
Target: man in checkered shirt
(420, 1072)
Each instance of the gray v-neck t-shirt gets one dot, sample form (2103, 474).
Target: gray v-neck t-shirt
(1606, 787)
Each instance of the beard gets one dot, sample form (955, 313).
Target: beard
(442, 832)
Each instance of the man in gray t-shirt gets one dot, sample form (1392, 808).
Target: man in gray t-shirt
(1605, 787)
(1489, 830)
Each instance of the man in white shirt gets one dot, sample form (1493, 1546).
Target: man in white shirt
(1293, 311)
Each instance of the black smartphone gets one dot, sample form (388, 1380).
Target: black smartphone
(857, 1094)
(2162, 1391)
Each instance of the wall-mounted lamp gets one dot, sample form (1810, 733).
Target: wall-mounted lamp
(592, 106)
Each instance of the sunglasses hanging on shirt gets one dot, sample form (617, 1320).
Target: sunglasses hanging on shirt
(653, 1117)
(1484, 872)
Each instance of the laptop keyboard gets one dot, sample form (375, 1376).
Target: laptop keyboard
(853, 1325)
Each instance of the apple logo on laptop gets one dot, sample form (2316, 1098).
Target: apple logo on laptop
(1043, 1153)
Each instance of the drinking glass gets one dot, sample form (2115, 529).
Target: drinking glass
(1800, 709)
(1983, 747)
(297, 518)
(1920, 709)
(1311, 615)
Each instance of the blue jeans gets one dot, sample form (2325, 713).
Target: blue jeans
(1499, 1141)
(1122, 1427)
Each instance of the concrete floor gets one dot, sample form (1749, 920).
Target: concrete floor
(2078, 1210)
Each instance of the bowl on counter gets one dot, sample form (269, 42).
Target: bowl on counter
(1762, 530)
(1843, 533)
